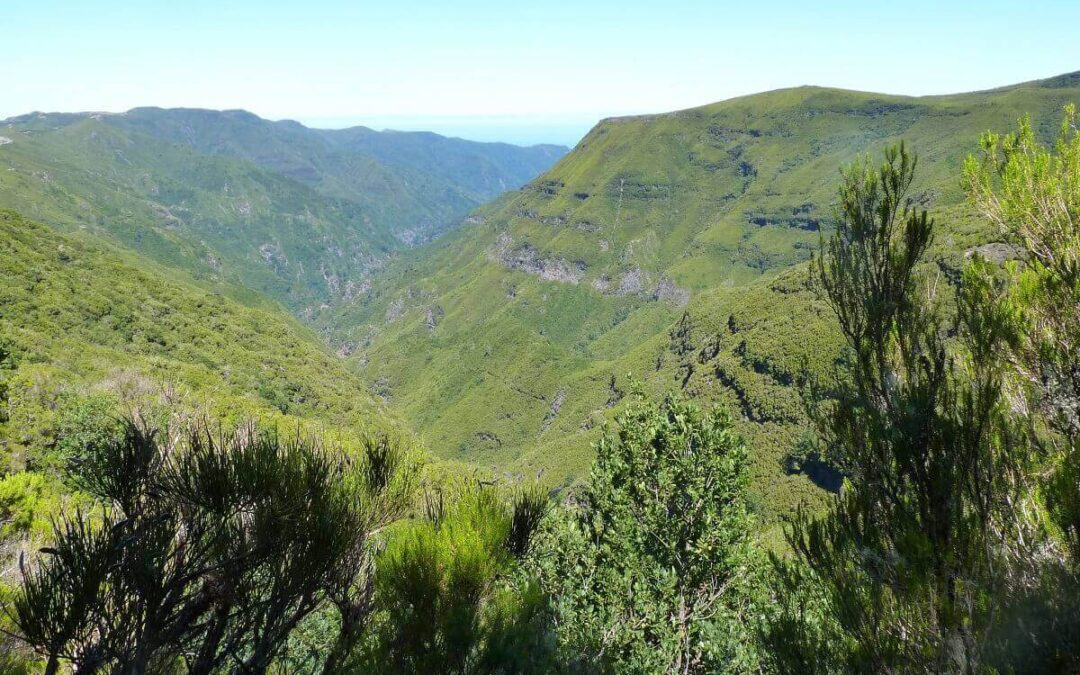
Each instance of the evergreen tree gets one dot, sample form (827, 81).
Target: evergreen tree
(652, 565)
(906, 570)
(1032, 193)
(208, 552)
(450, 590)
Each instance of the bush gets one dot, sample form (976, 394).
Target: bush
(209, 551)
(652, 567)
(450, 591)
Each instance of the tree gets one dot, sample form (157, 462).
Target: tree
(1032, 193)
(209, 551)
(1033, 196)
(907, 568)
(652, 566)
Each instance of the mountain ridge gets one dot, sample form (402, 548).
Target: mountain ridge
(1065, 79)
(243, 112)
(504, 341)
(288, 213)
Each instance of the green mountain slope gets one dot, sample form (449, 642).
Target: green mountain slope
(499, 342)
(416, 183)
(270, 205)
(77, 317)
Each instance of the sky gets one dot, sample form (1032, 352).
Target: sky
(505, 70)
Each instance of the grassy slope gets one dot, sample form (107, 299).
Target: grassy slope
(80, 318)
(415, 184)
(216, 217)
(255, 202)
(720, 205)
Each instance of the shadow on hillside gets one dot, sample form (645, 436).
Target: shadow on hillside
(819, 471)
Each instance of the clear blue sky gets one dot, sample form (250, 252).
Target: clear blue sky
(504, 70)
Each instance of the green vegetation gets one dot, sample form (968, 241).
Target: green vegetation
(86, 335)
(300, 215)
(1032, 194)
(672, 247)
(864, 461)
(414, 182)
(450, 594)
(652, 568)
(912, 559)
(209, 551)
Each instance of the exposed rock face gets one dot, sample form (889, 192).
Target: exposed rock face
(639, 282)
(801, 217)
(528, 259)
(272, 254)
(997, 252)
(395, 311)
(333, 281)
(553, 411)
(433, 316)
(410, 236)
(667, 291)
(347, 349)
(632, 282)
(353, 289)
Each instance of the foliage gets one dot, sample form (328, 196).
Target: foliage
(297, 214)
(209, 550)
(7, 364)
(89, 326)
(82, 421)
(652, 566)
(916, 555)
(27, 502)
(449, 590)
(641, 200)
(1032, 193)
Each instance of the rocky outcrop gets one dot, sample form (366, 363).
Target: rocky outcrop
(667, 291)
(346, 349)
(395, 311)
(273, 255)
(527, 258)
(553, 410)
(996, 252)
(639, 283)
(799, 217)
(433, 316)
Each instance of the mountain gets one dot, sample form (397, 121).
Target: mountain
(298, 214)
(418, 182)
(78, 318)
(668, 246)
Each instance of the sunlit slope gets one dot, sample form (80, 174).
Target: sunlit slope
(499, 341)
(216, 217)
(228, 196)
(77, 317)
(414, 183)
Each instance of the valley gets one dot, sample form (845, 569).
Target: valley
(665, 252)
(301, 216)
(668, 249)
(780, 383)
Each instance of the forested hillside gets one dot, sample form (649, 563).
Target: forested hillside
(301, 215)
(668, 247)
(86, 334)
